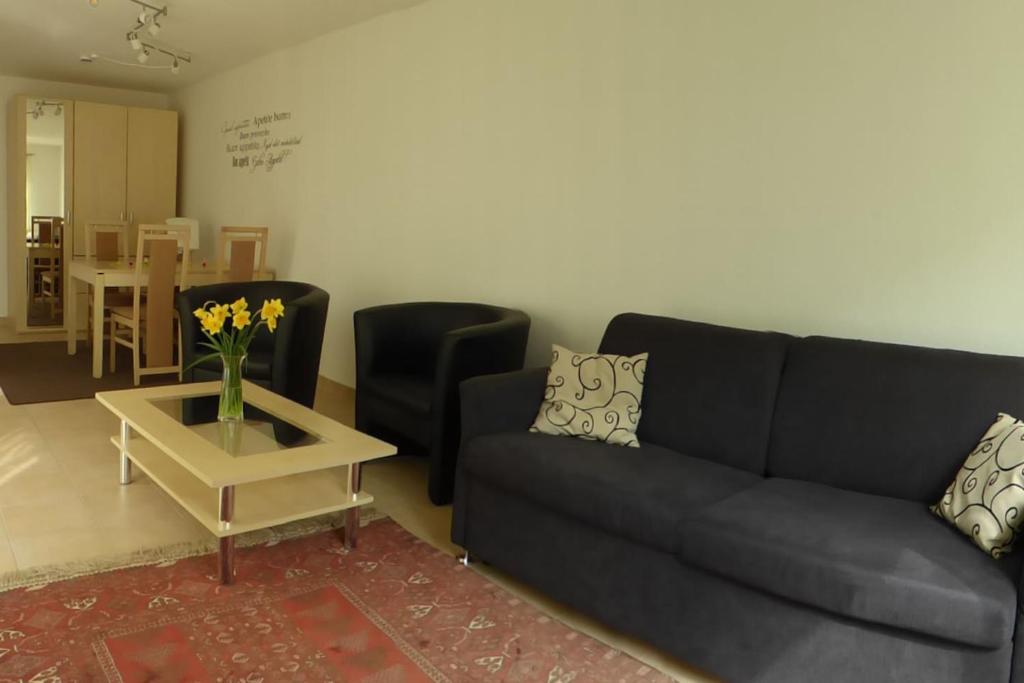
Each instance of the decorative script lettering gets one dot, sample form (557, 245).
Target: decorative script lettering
(260, 142)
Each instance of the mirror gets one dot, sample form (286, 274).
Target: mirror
(44, 201)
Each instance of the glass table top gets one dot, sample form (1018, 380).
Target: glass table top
(258, 433)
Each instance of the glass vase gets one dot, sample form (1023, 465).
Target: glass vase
(230, 408)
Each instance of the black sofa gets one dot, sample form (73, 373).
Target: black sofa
(774, 523)
(410, 359)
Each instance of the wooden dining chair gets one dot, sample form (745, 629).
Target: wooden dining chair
(50, 278)
(106, 241)
(152, 321)
(241, 254)
(192, 224)
(40, 227)
(40, 245)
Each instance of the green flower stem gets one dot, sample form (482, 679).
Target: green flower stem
(230, 408)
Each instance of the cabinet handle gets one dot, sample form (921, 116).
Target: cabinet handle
(131, 217)
(121, 218)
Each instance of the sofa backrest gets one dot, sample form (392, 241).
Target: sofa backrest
(886, 419)
(709, 391)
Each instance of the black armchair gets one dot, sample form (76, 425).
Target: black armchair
(287, 362)
(410, 359)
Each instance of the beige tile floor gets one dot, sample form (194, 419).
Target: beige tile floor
(60, 501)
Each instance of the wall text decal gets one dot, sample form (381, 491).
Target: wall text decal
(260, 142)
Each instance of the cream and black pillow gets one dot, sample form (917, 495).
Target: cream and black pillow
(593, 396)
(986, 499)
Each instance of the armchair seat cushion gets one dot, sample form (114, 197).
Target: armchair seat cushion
(883, 560)
(636, 493)
(413, 392)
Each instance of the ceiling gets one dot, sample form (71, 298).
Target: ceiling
(45, 38)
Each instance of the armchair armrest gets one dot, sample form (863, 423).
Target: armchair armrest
(297, 348)
(501, 403)
(484, 349)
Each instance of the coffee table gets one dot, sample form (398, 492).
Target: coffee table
(283, 463)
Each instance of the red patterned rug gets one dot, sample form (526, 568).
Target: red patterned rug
(395, 610)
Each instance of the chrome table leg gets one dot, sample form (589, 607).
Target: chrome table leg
(226, 550)
(126, 463)
(355, 483)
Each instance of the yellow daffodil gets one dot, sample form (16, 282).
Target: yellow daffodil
(272, 309)
(199, 313)
(239, 306)
(220, 312)
(212, 324)
(240, 319)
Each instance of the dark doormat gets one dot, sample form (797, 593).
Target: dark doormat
(39, 372)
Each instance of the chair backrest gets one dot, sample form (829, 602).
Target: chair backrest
(161, 243)
(106, 240)
(241, 253)
(193, 225)
(57, 231)
(42, 231)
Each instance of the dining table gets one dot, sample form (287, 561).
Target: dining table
(83, 271)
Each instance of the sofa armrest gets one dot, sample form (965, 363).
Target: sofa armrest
(501, 403)
(492, 404)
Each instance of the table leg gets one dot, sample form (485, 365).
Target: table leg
(71, 314)
(355, 482)
(126, 463)
(226, 551)
(98, 290)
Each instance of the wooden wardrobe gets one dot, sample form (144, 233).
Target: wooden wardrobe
(125, 167)
(121, 163)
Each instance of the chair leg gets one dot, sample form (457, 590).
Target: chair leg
(88, 321)
(181, 371)
(113, 345)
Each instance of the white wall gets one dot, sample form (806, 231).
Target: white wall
(45, 180)
(10, 86)
(844, 168)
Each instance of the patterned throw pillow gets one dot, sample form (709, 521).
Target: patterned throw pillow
(986, 499)
(593, 396)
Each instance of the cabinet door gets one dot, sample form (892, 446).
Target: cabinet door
(152, 167)
(99, 180)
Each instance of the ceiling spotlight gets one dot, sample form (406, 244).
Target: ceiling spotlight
(133, 40)
(143, 17)
(175, 68)
(143, 56)
(94, 3)
(153, 28)
(58, 110)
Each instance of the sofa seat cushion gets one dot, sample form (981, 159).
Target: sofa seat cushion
(413, 392)
(635, 493)
(883, 560)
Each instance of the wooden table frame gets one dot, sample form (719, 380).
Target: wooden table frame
(232, 495)
(82, 272)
